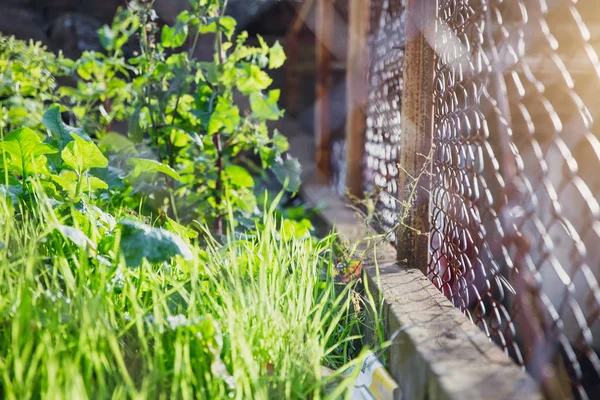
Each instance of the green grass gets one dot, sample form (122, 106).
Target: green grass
(255, 318)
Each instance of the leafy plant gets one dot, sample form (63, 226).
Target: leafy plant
(191, 150)
(28, 74)
(255, 317)
(152, 264)
(186, 112)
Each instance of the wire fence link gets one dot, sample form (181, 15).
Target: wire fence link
(515, 173)
(386, 42)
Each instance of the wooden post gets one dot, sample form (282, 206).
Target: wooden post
(357, 93)
(292, 72)
(324, 33)
(416, 136)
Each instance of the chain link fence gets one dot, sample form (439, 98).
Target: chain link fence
(386, 43)
(514, 176)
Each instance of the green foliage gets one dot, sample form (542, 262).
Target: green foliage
(27, 81)
(155, 263)
(256, 317)
(191, 152)
(25, 152)
(140, 241)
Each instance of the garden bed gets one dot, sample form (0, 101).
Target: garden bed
(161, 261)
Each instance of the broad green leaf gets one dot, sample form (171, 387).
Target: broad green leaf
(12, 191)
(276, 56)
(103, 219)
(61, 131)
(180, 230)
(225, 118)
(25, 152)
(143, 165)
(69, 180)
(212, 72)
(227, 25)
(179, 137)
(185, 16)
(81, 155)
(116, 143)
(85, 69)
(14, 113)
(113, 176)
(295, 229)
(247, 200)
(208, 28)
(175, 36)
(135, 131)
(254, 79)
(280, 142)
(288, 172)
(139, 241)
(239, 176)
(107, 37)
(265, 107)
(75, 235)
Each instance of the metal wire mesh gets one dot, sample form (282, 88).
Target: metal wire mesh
(515, 228)
(386, 42)
(515, 216)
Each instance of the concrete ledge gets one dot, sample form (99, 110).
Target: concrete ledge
(439, 353)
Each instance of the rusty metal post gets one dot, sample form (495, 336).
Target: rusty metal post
(357, 93)
(324, 33)
(416, 136)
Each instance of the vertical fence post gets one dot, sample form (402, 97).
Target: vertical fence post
(357, 93)
(292, 48)
(416, 136)
(324, 33)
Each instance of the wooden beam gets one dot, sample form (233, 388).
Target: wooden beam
(357, 94)
(324, 33)
(416, 136)
(293, 69)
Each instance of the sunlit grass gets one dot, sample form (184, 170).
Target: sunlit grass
(255, 318)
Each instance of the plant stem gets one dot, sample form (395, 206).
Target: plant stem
(217, 138)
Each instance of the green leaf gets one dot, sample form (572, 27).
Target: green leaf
(288, 172)
(276, 56)
(15, 113)
(180, 230)
(143, 165)
(295, 229)
(86, 69)
(239, 176)
(225, 118)
(172, 37)
(81, 155)
(139, 241)
(69, 180)
(135, 131)
(246, 200)
(116, 143)
(208, 28)
(75, 235)
(12, 191)
(107, 37)
(25, 152)
(254, 79)
(62, 132)
(227, 25)
(113, 176)
(280, 142)
(265, 107)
